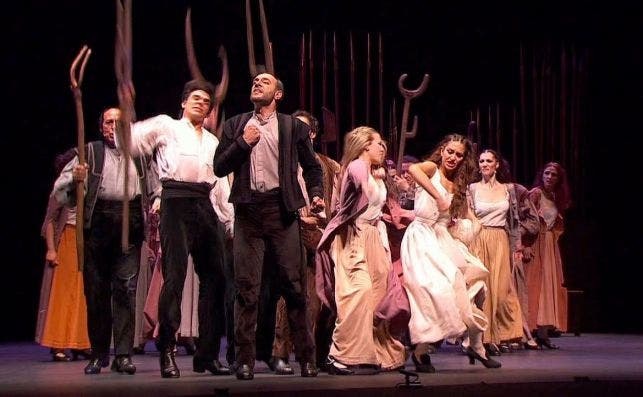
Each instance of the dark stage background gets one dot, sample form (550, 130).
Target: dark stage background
(471, 51)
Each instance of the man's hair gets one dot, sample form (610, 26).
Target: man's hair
(198, 84)
(101, 117)
(314, 123)
(280, 84)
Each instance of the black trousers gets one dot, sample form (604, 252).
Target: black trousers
(264, 226)
(110, 276)
(189, 225)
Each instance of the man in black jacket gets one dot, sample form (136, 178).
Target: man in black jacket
(263, 149)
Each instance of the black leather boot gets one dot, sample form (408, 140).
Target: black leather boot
(168, 364)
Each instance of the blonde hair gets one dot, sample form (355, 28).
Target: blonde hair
(355, 142)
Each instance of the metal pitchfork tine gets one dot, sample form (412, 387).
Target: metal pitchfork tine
(267, 45)
(408, 96)
(221, 89)
(76, 79)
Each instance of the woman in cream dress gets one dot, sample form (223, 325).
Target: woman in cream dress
(547, 295)
(441, 277)
(354, 263)
(497, 246)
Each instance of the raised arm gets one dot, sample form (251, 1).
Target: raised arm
(422, 174)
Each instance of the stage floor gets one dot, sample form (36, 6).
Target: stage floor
(586, 365)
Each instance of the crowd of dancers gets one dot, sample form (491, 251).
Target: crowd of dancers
(354, 265)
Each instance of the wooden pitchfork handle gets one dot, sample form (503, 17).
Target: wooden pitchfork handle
(221, 89)
(404, 131)
(76, 79)
(267, 45)
(123, 71)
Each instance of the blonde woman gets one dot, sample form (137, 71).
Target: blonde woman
(354, 263)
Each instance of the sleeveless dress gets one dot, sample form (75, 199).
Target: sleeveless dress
(441, 277)
(491, 246)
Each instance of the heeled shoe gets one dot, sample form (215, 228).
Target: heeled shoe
(492, 349)
(547, 343)
(423, 363)
(487, 362)
(59, 355)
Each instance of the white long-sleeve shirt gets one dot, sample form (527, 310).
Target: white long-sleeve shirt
(182, 155)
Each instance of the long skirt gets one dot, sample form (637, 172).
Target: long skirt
(501, 305)
(547, 296)
(362, 265)
(65, 324)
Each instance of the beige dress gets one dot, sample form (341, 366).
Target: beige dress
(491, 246)
(362, 264)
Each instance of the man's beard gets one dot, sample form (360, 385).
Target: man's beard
(110, 143)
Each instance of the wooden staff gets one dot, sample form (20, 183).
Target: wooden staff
(352, 77)
(563, 105)
(221, 89)
(393, 129)
(380, 78)
(478, 132)
(302, 72)
(123, 71)
(76, 82)
(404, 131)
(329, 125)
(523, 111)
(498, 127)
(514, 142)
(267, 46)
(324, 71)
(336, 79)
(311, 73)
(368, 79)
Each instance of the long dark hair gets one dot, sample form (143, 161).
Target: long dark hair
(503, 174)
(562, 193)
(463, 175)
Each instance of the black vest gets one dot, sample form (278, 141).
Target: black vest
(96, 160)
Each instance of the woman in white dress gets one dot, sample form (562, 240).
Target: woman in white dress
(442, 279)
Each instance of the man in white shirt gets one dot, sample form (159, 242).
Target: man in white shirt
(184, 150)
